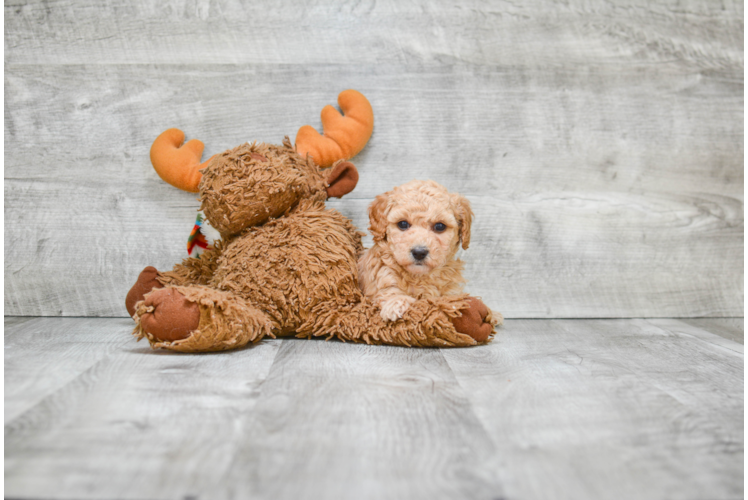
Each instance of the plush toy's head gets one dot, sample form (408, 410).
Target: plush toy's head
(248, 185)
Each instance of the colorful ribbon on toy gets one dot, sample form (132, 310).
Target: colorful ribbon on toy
(202, 237)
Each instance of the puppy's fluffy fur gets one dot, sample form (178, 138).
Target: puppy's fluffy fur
(417, 229)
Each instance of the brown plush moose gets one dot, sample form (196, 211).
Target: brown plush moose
(285, 265)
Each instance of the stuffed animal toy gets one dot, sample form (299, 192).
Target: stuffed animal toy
(284, 264)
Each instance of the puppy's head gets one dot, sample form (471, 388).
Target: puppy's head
(421, 224)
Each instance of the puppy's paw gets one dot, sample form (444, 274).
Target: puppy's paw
(393, 308)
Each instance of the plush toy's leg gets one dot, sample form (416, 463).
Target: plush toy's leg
(147, 281)
(198, 319)
(192, 271)
(442, 322)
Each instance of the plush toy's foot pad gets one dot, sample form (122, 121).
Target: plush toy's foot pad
(146, 282)
(474, 320)
(168, 316)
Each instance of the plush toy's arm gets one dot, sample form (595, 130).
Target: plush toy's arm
(427, 323)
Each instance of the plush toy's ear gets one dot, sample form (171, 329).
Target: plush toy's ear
(464, 216)
(341, 180)
(378, 217)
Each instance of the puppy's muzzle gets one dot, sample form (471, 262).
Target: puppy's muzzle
(419, 253)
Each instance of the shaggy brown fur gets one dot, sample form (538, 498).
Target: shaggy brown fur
(286, 265)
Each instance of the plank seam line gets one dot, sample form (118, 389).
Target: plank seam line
(468, 400)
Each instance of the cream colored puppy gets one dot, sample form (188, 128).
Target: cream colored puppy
(417, 230)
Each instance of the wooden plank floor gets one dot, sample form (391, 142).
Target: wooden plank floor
(552, 409)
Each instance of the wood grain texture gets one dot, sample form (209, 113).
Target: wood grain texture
(578, 409)
(355, 422)
(609, 409)
(729, 328)
(135, 424)
(545, 32)
(601, 144)
(745, 261)
(572, 239)
(42, 355)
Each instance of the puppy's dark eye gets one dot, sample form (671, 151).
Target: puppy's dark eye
(440, 227)
(403, 224)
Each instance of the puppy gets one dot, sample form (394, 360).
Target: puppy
(417, 229)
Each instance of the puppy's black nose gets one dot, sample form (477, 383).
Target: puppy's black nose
(419, 253)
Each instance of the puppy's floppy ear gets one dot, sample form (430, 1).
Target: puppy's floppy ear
(378, 217)
(464, 216)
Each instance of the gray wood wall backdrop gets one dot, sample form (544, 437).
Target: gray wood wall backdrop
(600, 143)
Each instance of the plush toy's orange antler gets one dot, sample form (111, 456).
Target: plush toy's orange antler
(344, 136)
(178, 164)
